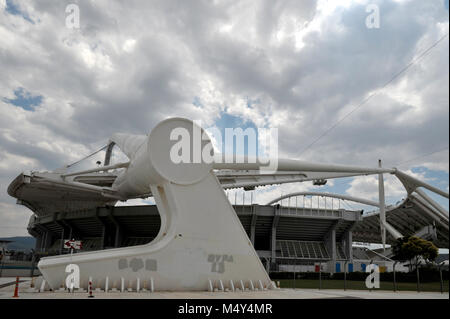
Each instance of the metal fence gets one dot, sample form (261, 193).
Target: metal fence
(423, 278)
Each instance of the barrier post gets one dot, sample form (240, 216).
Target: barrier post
(16, 289)
(42, 289)
(211, 289)
(90, 289)
(106, 284)
(320, 276)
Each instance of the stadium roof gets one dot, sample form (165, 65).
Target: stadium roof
(70, 190)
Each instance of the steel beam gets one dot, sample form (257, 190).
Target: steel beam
(253, 225)
(273, 234)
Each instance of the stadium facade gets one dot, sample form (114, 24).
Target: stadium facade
(80, 203)
(282, 235)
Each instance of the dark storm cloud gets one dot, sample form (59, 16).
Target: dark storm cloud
(134, 63)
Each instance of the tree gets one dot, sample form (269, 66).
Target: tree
(412, 247)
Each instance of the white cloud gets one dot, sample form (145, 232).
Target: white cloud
(129, 45)
(136, 202)
(367, 187)
(133, 64)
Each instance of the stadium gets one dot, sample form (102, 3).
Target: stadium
(224, 150)
(280, 234)
(297, 232)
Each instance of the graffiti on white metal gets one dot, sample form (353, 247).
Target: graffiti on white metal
(218, 262)
(137, 264)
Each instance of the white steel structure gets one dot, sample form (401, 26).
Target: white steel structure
(201, 244)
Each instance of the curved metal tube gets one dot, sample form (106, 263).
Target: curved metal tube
(344, 197)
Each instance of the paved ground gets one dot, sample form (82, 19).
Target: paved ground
(7, 292)
(5, 280)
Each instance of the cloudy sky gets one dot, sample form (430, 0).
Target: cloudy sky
(312, 69)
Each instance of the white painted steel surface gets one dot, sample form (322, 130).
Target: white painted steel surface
(200, 239)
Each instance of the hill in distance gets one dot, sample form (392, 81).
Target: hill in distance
(25, 243)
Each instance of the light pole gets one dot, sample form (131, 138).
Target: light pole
(417, 273)
(294, 275)
(393, 269)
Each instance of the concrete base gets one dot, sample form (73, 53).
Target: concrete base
(281, 294)
(267, 294)
(26, 292)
